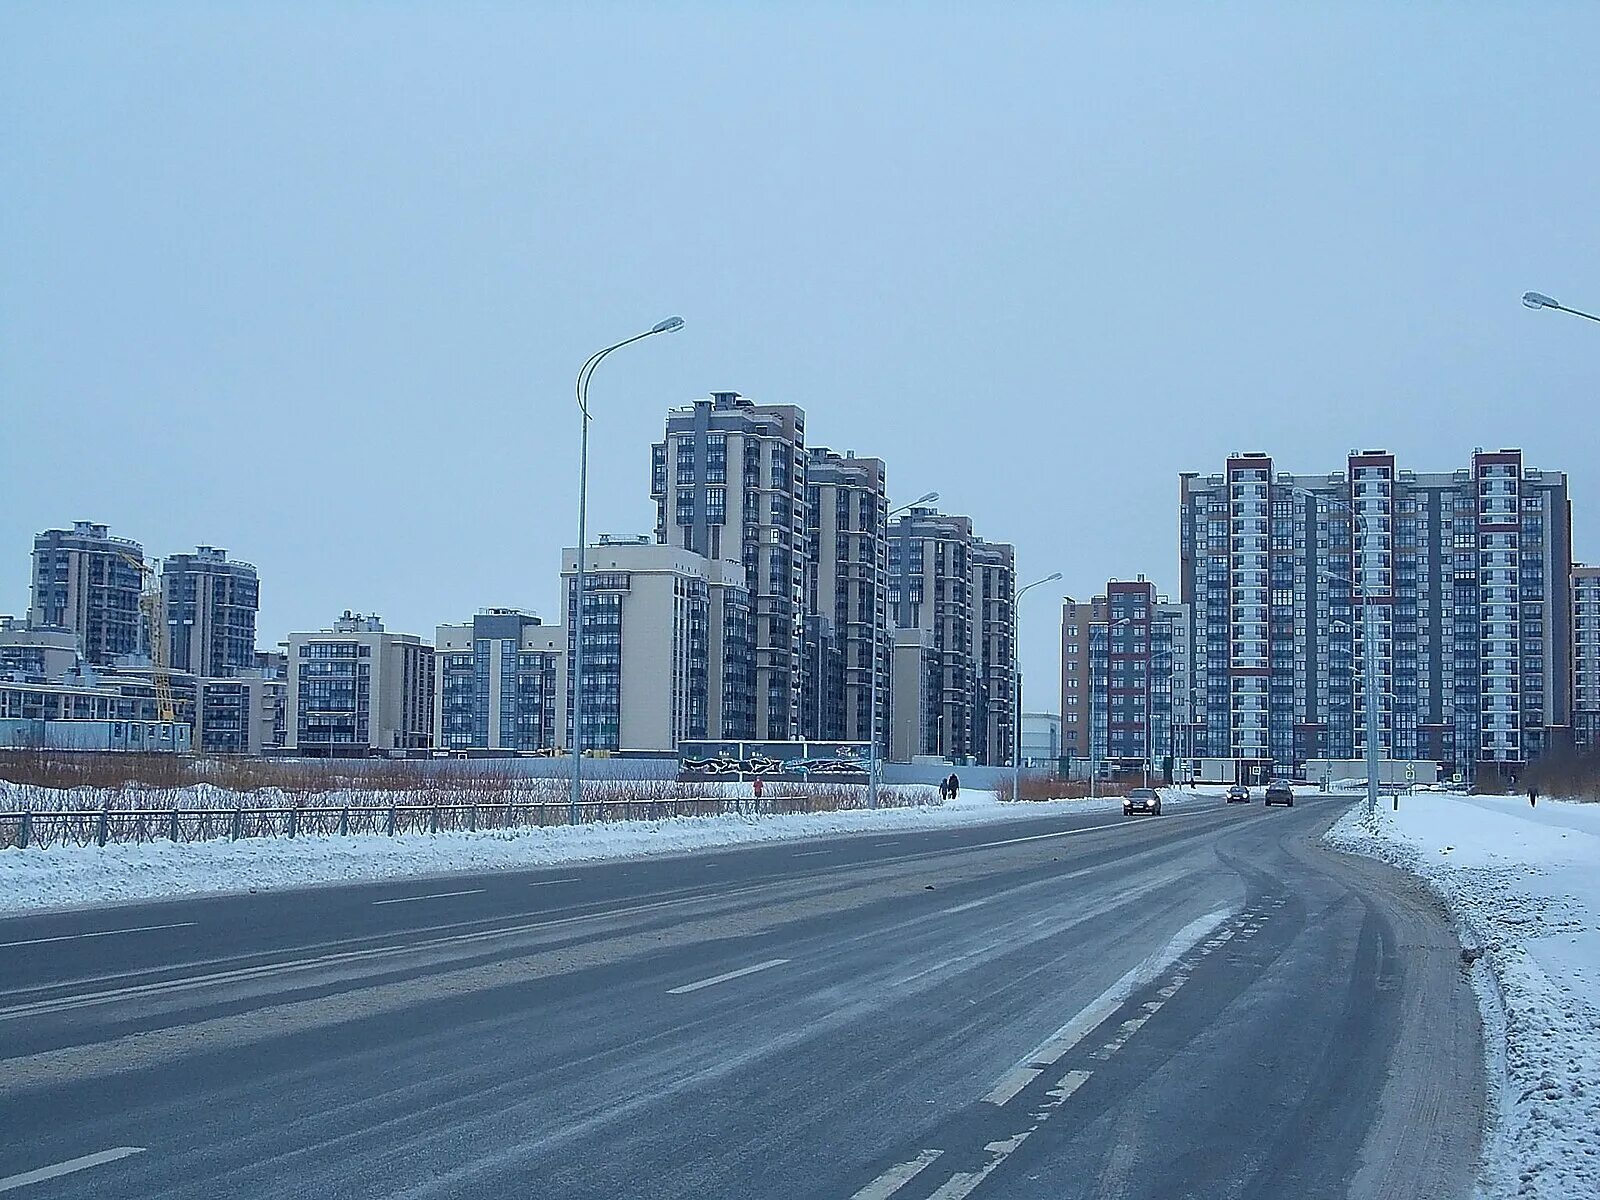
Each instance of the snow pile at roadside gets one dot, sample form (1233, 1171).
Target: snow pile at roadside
(34, 878)
(1524, 887)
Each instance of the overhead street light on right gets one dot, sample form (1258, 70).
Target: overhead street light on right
(1539, 300)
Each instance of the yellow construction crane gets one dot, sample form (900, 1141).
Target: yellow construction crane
(154, 607)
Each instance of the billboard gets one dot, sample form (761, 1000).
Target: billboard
(784, 762)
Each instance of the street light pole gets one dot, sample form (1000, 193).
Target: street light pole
(1016, 683)
(877, 644)
(1535, 300)
(670, 325)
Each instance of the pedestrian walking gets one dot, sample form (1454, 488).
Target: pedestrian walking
(756, 788)
(953, 784)
(1533, 795)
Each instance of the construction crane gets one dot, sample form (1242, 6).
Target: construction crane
(153, 607)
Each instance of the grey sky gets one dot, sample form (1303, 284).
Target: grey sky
(311, 282)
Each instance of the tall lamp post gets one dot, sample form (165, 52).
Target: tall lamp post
(1369, 632)
(877, 645)
(670, 325)
(1016, 684)
(1535, 300)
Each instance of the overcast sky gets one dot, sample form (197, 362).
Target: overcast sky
(311, 281)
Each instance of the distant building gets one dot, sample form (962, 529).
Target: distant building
(356, 689)
(1041, 739)
(1585, 656)
(993, 592)
(930, 588)
(847, 549)
(914, 717)
(667, 653)
(501, 683)
(84, 582)
(1079, 624)
(1469, 575)
(729, 484)
(36, 654)
(240, 714)
(210, 602)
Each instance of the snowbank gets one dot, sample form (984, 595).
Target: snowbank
(71, 875)
(1524, 887)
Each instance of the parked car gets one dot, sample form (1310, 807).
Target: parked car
(1238, 793)
(1142, 800)
(1279, 792)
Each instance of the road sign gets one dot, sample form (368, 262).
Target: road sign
(1411, 773)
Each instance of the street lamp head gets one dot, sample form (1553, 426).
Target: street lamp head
(1051, 578)
(928, 499)
(1536, 300)
(670, 325)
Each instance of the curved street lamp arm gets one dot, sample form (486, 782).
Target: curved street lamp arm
(593, 361)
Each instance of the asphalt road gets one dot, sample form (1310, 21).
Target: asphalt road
(1203, 1004)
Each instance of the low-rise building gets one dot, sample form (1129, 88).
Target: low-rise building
(357, 689)
(501, 683)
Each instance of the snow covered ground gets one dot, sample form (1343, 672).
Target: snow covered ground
(1524, 887)
(71, 875)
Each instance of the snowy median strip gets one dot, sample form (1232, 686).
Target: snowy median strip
(63, 876)
(1523, 886)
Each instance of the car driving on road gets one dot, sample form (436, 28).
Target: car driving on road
(1279, 792)
(1238, 793)
(1142, 800)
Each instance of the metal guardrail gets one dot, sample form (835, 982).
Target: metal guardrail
(103, 826)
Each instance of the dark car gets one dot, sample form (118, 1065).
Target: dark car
(1279, 792)
(1142, 800)
(1238, 793)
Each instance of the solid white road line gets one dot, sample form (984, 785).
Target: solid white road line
(548, 882)
(810, 853)
(430, 896)
(68, 1167)
(963, 1183)
(1039, 837)
(716, 979)
(1102, 1006)
(895, 1178)
(68, 937)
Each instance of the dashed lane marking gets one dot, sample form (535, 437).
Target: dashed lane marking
(11, 1182)
(963, 1183)
(723, 978)
(549, 882)
(99, 933)
(896, 1177)
(431, 896)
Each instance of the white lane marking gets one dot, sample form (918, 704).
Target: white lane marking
(970, 904)
(68, 937)
(68, 1167)
(1035, 837)
(879, 845)
(430, 896)
(715, 979)
(548, 882)
(895, 1178)
(292, 966)
(810, 853)
(1107, 1002)
(963, 1183)
(1013, 1083)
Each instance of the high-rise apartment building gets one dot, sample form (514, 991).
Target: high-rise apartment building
(729, 481)
(501, 683)
(88, 582)
(993, 592)
(1080, 622)
(356, 688)
(210, 602)
(1125, 676)
(667, 648)
(930, 588)
(847, 553)
(1586, 656)
(1467, 573)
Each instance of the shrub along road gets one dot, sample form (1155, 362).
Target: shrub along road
(1204, 1003)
